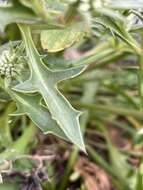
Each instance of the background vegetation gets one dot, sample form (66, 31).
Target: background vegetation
(101, 40)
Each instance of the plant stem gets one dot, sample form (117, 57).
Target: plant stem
(111, 109)
(20, 145)
(71, 12)
(140, 60)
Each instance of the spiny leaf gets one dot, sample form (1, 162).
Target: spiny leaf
(30, 105)
(44, 81)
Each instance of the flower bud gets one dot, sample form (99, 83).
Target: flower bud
(10, 64)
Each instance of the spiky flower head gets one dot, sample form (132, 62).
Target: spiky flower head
(11, 63)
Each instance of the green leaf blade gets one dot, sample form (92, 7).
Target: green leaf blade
(45, 83)
(30, 105)
(16, 14)
(58, 40)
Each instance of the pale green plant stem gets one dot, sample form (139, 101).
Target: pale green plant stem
(141, 81)
(109, 59)
(19, 146)
(40, 9)
(140, 62)
(110, 109)
(9, 109)
(71, 12)
(139, 52)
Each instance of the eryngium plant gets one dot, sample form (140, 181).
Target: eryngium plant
(11, 62)
(31, 83)
(32, 75)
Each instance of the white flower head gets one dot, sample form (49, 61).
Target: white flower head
(10, 64)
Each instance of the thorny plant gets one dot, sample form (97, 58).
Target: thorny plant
(32, 69)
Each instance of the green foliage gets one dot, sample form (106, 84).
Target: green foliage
(15, 14)
(44, 81)
(43, 86)
(57, 40)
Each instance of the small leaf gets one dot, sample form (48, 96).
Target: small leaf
(44, 81)
(57, 40)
